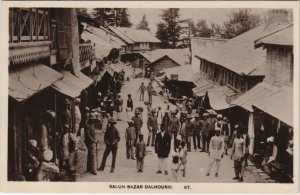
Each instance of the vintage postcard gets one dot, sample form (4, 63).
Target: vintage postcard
(151, 97)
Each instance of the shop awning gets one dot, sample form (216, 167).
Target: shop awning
(278, 104)
(199, 80)
(201, 89)
(31, 79)
(72, 85)
(219, 97)
(256, 94)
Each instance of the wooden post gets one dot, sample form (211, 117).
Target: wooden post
(31, 25)
(36, 24)
(19, 24)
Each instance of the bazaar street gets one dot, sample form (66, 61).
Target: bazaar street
(126, 171)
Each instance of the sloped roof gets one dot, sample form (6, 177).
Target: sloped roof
(72, 85)
(180, 56)
(282, 37)
(102, 47)
(30, 80)
(258, 92)
(121, 35)
(239, 54)
(184, 73)
(131, 35)
(278, 104)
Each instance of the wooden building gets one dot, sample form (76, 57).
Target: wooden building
(161, 59)
(235, 64)
(45, 62)
(272, 100)
(137, 40)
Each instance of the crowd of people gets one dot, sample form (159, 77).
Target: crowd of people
(172, 133)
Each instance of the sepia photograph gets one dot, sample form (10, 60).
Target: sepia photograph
(150, 95)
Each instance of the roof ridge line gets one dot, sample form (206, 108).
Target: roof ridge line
(274, 32)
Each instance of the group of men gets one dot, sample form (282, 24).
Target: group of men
(142, 89)
(111, 139)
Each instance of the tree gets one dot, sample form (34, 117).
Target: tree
(112, 17)
(161, 34)
(202, 29)
(217, 31)
(239, 22)
(143, 25)
(171, 19)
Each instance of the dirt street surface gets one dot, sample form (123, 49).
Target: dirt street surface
(197, 164)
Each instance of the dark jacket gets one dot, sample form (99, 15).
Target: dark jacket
(198, 127)
(140, 149)
(137, 122)
(165, 124)
(112, 136)
(163, 145)
(152, 122)
(90, 135)
(174, 124)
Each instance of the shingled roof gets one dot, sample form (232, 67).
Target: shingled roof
(131, 35)
(239, 54)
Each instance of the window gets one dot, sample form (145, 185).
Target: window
(28, 25)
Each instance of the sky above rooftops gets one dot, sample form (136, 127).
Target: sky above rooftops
(218, 16)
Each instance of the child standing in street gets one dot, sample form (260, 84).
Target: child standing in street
(140, 153)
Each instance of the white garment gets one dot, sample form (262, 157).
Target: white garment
(162, 164)
(159, 116)
(77, 119)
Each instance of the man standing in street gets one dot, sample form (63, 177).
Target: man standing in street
(211, 121)
(165, 123)
(137, 123)
(189, 130)
(152, 127)
(90, 141)
(197, 129)
(216, 151)
(111, 139)
(65, 115)
(174, 126)
(130, 137)
(238, 153)
(142, 90)
(119, 106)
(226, 132)
(162, 149)
(150, 91)
(205, 133)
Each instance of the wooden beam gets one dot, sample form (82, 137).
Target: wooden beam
(37, 24)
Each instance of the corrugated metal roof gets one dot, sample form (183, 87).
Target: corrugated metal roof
(282, 37)
(238, 54)
(30, 80)
(72, 85)
(201, 89)
(107, 36)
(180, 56)
(258, 92)
(183, 72)
(121, 35)
(278, 104)
(219, 97)
(102, 48)
(135, 35)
